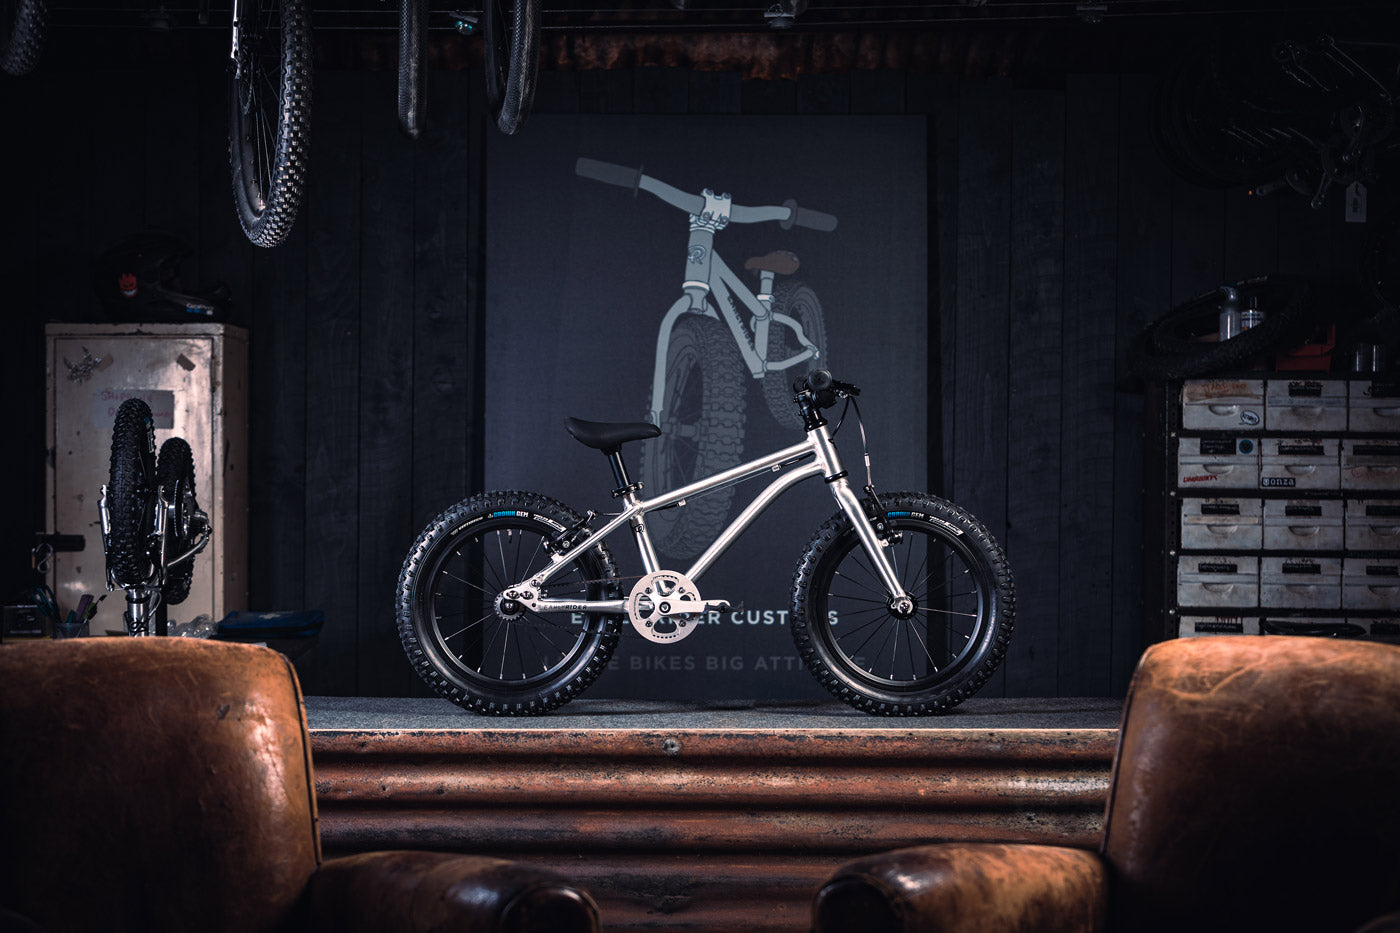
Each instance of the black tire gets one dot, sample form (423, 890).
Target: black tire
(702, 433)
(22, 27)
(270, 118)
(131, 493)
(175, 476)
(463, 558)
(512, 54)
(799, 302)
(835, 580)
(413, 26)
(1178, 345)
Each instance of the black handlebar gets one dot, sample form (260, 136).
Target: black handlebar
(824, 390)
(787, 215)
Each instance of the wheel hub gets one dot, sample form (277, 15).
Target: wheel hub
(903, 607)
(508, 606)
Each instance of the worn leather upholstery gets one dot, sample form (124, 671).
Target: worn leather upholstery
(1256, 787)
(162, 784)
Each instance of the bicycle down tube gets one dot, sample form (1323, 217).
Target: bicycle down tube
(826, 463)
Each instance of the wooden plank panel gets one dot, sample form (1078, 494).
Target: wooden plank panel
(222, 251)
(1251, 235)
(660, 90)
(1086, 618)
(938, 95)
(1034, 392)
(171, 118)
(556, 92)
(387, 302)
(1198, 240)
(770, 97)
(878, 90)
(606, 91)
(715, 92)
(824, 93)
(981, 341)
(332, 216)
(1144, 287)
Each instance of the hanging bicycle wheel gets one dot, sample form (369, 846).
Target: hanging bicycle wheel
(897, 659)
(465, 632)
(22, 27)
(413, 32)
(799, 303)
(702, 433)
(269, 115)
(512, 54)
(131, 493)
(175, 477)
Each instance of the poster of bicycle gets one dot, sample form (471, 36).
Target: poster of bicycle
(684, 271)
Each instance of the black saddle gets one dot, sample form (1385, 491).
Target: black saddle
(609, 436)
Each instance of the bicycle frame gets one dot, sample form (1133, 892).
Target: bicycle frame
(826, 462)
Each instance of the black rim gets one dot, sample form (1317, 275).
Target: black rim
(514, 650)
(896, 651)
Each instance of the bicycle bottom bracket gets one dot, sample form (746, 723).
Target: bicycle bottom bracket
(665, 606)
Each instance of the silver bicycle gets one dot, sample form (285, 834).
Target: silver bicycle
(712, 339)
(509, 603)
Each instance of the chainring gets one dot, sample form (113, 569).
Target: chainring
(665, 606)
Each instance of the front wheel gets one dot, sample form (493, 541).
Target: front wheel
(270, 116)
(470, 640)
(896, 660)
(131, 495)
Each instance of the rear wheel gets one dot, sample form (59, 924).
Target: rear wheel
(175, 476)
(905, 660)
(470, 640)
(702, 433)
(413, 26)
(131, 494)
(270, 116)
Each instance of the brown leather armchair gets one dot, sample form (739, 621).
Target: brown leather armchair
(1256, 787)
(165, 784)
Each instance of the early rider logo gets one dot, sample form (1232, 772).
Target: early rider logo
(1203, 478)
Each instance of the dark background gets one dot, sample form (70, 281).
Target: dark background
(1055, 232)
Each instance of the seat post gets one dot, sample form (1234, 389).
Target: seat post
(619, 470)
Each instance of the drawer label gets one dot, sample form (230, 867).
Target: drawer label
(1279, 481)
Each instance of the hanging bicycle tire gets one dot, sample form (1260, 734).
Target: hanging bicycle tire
(512, 59)
(131, 489)
(270, 116)
(465, 633)
(23, 24)
(800, 303)
(702, 433)
(413, 33)
(175, 477)
(904, 660)
(1179, 344)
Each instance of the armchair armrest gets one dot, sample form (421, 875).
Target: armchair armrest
(968, 888)
(442, 891)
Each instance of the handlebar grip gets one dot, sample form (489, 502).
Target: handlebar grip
(803, 217)
(608, 173)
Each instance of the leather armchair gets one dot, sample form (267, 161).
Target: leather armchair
(165, 784)
(1256, 786)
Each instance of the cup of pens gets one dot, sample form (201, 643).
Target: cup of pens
(76, 625)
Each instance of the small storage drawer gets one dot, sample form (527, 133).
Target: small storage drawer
(1371, 583)
(1305, 405)
(1375, 406)
(1300, 582)
(1195, 626)
(1371, 464)
(1373, 525)
(1303, 525)
(1300, 463)
(1231, 581)
(1221, 524)
(1224, 462)
(1222, 404)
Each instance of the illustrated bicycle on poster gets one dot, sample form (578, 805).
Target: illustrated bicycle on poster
(711, 340)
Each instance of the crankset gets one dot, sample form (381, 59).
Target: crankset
(665, 606)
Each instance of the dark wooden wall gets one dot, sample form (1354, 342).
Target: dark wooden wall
(1056, 232)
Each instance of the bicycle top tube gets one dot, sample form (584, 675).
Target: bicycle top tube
(786, 214)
